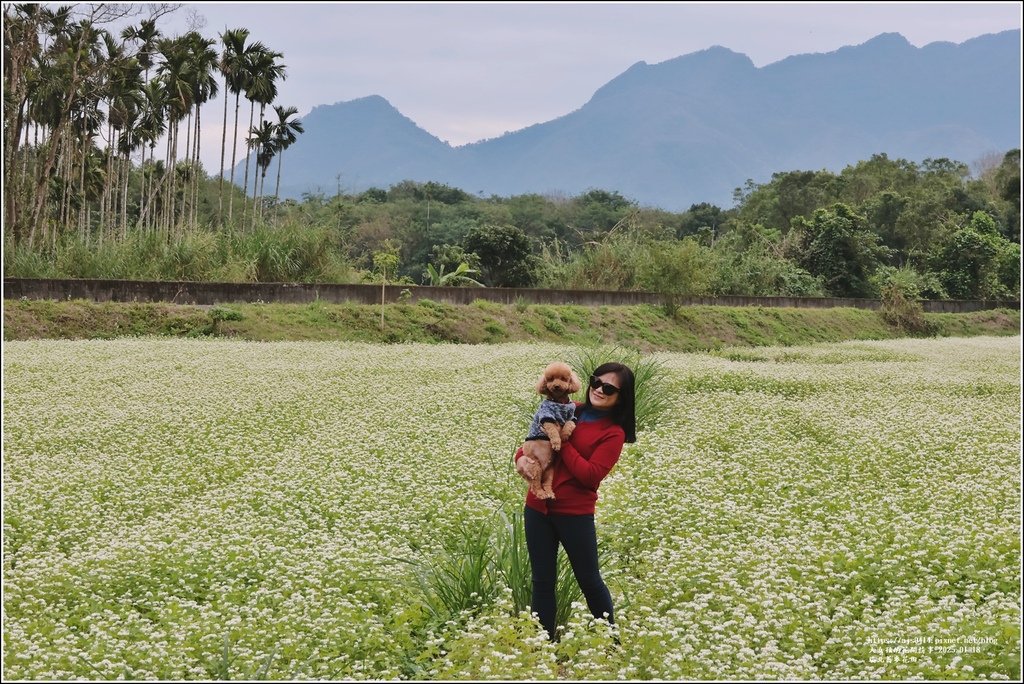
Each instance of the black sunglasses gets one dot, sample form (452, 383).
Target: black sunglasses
(608, 390)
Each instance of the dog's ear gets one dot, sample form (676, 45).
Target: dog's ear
(542, 384)
(574, 382)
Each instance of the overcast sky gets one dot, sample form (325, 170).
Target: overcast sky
(465, 72)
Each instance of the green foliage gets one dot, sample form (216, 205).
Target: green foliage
(1007, 188)
(790, 195)
(462, 579)
(386, 260)
(263, 255)
(223, 313)
(901, 309)
(700, 216)
(488, 559)
(837, 246)
(773, 243)
(600, 211)
(675, 270)
(610, 264)
(460, 276)
(745, 266)
(506, 255)
(976, 262)
(909, 281)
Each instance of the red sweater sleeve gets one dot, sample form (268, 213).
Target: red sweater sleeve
(605, 456)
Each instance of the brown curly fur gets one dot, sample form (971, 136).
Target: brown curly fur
(557, 382)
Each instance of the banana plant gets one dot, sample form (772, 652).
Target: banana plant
(438, 278)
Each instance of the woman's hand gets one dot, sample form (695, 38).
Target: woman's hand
(528, 469)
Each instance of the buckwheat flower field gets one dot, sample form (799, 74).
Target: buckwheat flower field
(196, 509)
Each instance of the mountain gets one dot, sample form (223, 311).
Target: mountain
(694, 128)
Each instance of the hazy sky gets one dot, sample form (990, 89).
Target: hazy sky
(465, 72)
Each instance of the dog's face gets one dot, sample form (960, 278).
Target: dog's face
(558, 380)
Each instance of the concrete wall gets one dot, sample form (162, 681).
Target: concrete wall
(227, 293)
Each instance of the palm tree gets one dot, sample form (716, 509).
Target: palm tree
(263, 140)
(127, 101)
(175, 75)
(152, 125)
(284, 134)
(232, 67)
(202, 63)
(22, 48)
(148, 35)
(123, 92)
(244, 78)
(262, 87)
(74, 54)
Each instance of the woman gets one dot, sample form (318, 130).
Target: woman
(605, 421)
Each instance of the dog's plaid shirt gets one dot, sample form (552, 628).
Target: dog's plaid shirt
(550, 411)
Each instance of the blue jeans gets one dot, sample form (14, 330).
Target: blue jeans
(578, 537)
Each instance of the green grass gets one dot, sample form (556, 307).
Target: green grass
(644, 327)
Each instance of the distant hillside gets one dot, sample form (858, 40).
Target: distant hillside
(694, 128)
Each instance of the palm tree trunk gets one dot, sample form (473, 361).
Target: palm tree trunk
(147, 189)
(43, 177)
(277, 188)
(172, 177)
(142, 190)
(263, 182)
(186, 192)
(234, 149)
(115, 188)
(152, 190)
(42, 184)
(248, 154)
(81, 188)
(165, 200)
(195, 170)
(223, 145)
(124, 193)
(106, 184)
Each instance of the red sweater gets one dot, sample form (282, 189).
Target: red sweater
(585, 460)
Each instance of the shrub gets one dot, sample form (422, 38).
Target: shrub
(902, 312)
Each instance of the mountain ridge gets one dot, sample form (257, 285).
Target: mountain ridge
(694, 127)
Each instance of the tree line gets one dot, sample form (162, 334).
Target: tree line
(87, 196)
(933, 229)
(81, 101)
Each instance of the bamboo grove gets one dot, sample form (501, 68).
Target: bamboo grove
(102, 128)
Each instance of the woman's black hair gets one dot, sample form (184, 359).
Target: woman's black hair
(624, 410)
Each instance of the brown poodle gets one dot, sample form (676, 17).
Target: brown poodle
(554, 422)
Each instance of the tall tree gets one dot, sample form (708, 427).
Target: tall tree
(232, 66)
(152, 125)
(285, 131)
(22, 48)
(262, 140)
(174, 71)
(264, 71)
(202, 64)
(75, 53)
